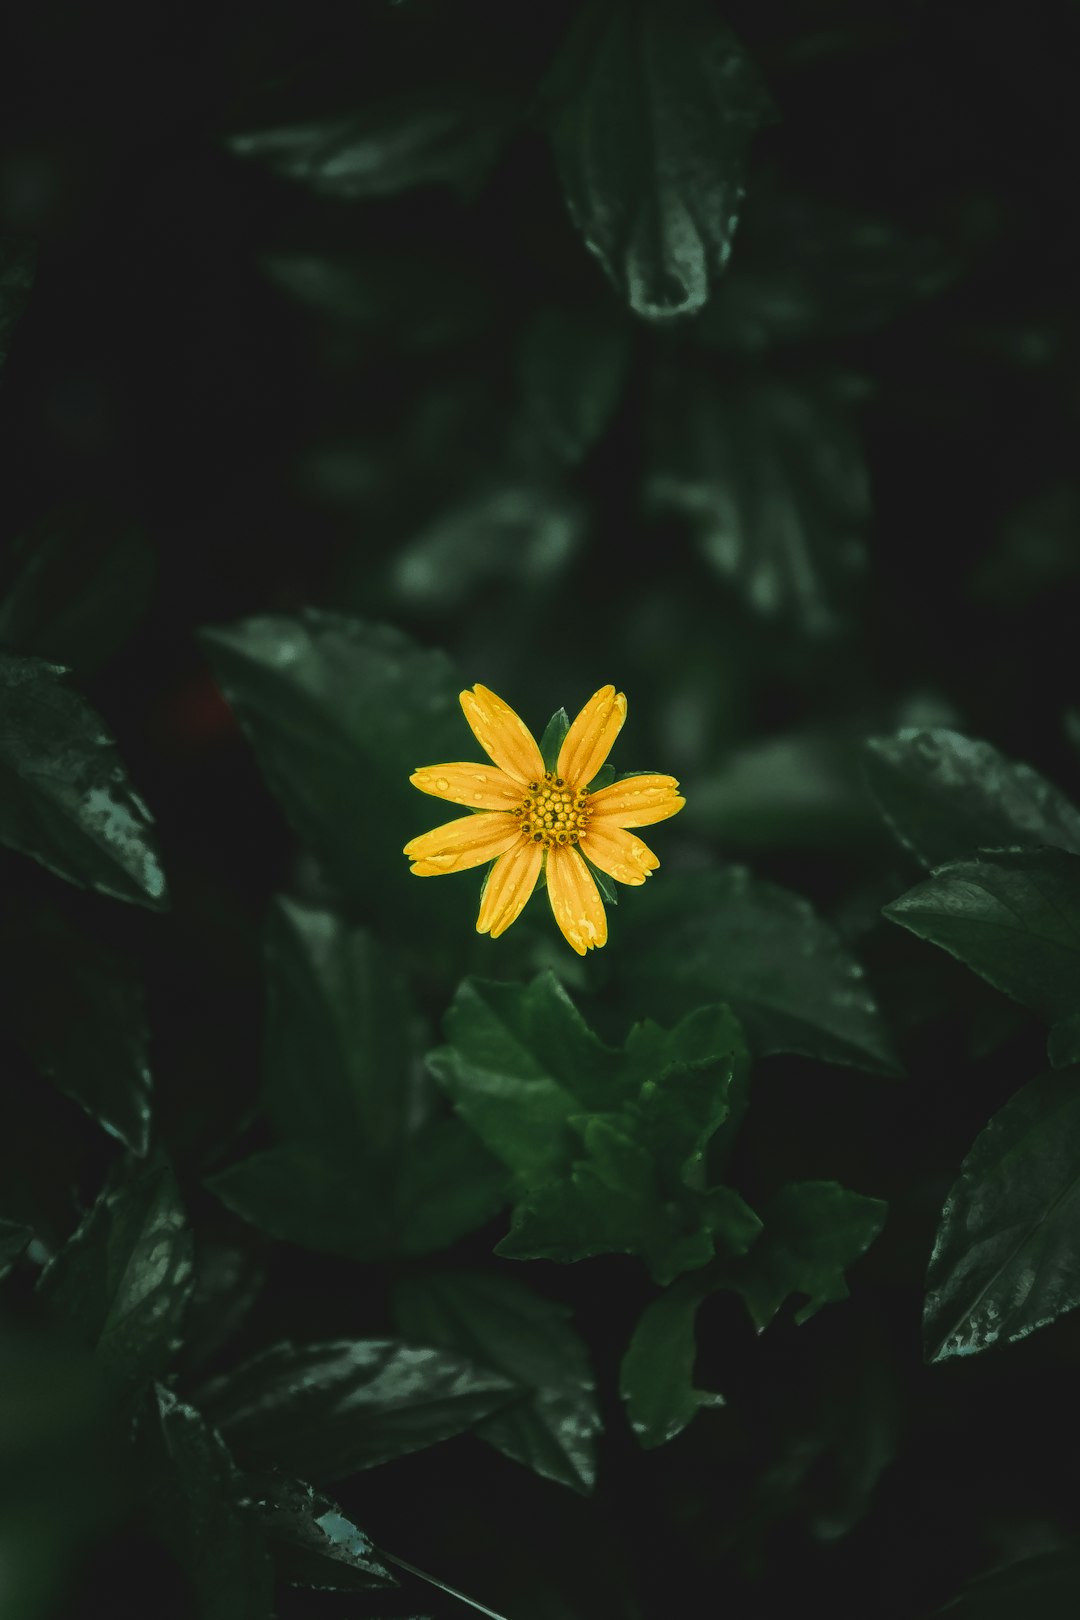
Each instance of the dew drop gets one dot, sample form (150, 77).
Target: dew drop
(441, 783)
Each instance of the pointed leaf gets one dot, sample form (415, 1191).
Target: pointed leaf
(315, 1545)
(813, 1231)
(657, 1372)
(501, 1324)
(554, 734)
(1006, 1258)
(65, 798)
(652, 109)
(327, 1410)
(946, 795)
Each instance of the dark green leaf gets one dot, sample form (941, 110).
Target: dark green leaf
(326, 1410)
(314, 1543)
(687, 1075)
(76, 586)
(800, 790)
(194, 1508)
(656, 1379)
(340, 713)
(228, 1280)
(65, 797)
(720, 935)
(572, 372)
(813, 1231)
(554, 736)
(123, 1280)
(769, 477)
(652, 109)
(946, 795)
(501, 1324)
(77, 1010)
(1006, 1258)
(1046, 1584)
(14, 1237)
(1014, 919)
(17, 262)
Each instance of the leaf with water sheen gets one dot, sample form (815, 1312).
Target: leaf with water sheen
(1014, 918)
(1006, 1257)
(122, 1282)
(65, 797)
(651, 110)
(501, 1324)
(813, 1231)
(657, 1371)
(315, 1544)
(722, 935)
(946, 795)
(324, 1411)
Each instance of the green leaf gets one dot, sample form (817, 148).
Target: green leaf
(75, 586)
(946, 795)
(340, 713)
(1046, 1584)
(122, 1281)
(608, 892)
(520, 1062)
(800, 791)
(1015, 920)
(362, 1168)
(315, 1545)
(572, 371)
(324, 1411)
(652, 107)
(1006, 1257)
(813, 1231)
(17, 261)
(721, 935)
(14, 1236)
(194, 1508)
(554, 735)
(498, 1323)
(688, 1073)
(77, 1010)
(65, 798)
(656, 1378)
(768, 476)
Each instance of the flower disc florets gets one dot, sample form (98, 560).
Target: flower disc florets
(553, 812)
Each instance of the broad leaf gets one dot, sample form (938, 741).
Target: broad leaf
(323, 1411)
(721, 935)
(77, 1009)
(314, 1543)
(768, 476)
(65, 797)
(362, 1168)
(16, 278)
(657, 1372)
(813, 1231)
(1006, 1258)
(501, 1324)
(652, 109)
(194, 1508)
(122, 1281)
(946, 795)
(1014, 919)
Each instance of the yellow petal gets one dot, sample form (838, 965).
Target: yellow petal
(588, 742)
(510, 883)
(503, 735)
(457, 845)
(482, 786)
(575, 900)
(618, 853)
(637, 802)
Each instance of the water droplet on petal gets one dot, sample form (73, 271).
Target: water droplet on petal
(442, 784)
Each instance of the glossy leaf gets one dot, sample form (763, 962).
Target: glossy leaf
(314, 1543)
(768, 477)
(501, 1324)
(553, 737)
(362, 1168)
(1006, 1257)
(722, 935)
(78, 1011)
(1015, 920)
(813, 1231)
(324, 1411)
(946, 795)
(195, 1509)
(652, 107)
(17, 261)
(656, 1378)
(65, 797)
(123, 1280)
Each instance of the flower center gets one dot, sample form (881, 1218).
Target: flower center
(553, 812)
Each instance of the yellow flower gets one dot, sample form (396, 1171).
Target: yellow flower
(533, 818)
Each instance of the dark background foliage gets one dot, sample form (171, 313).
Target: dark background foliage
(370, 367)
